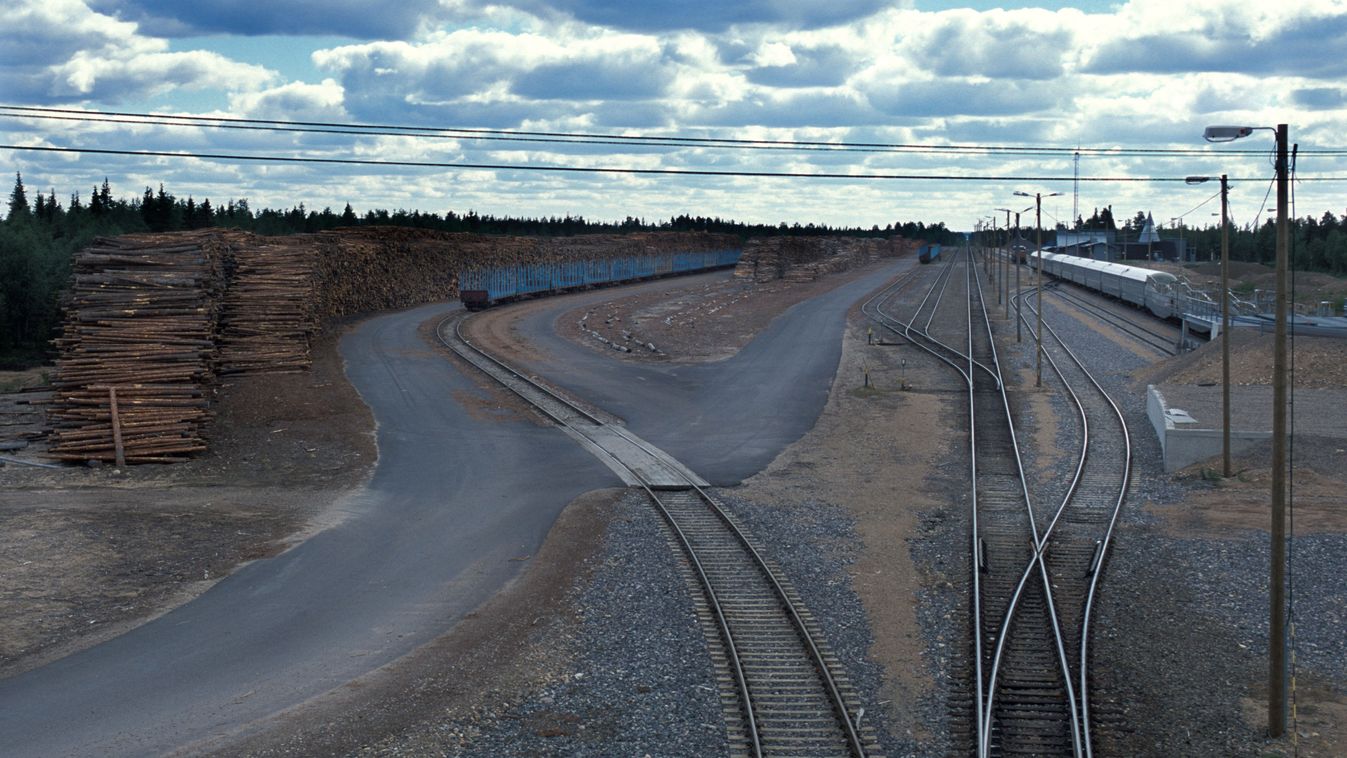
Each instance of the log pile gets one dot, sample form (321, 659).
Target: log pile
(804, 259)
(268, 316)
(152, 319)
(141, 319)
(377, 268)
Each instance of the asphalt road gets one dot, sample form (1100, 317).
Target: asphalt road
(454, 497)
(456, 494)
(725, 420)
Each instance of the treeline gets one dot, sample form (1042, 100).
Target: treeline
(39, 238)
(1316, 244)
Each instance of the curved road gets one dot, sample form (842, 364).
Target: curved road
(453, 498)
(724, 420)
(455, 495)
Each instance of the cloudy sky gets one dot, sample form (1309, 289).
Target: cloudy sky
(1133, 75)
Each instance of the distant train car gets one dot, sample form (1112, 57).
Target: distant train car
(1153, 290)
(928, 253)
(482, 288)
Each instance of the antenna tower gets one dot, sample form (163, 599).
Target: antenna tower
(1075, 194)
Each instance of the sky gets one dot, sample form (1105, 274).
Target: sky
(1099, 76)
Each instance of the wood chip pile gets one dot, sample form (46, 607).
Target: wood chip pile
(269, 316)
(141, 318)
(804, 259)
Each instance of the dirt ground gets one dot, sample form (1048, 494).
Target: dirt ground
(1310, 288)
(493, 656)
(91, 552)
(704, 321)
(873, 452)
(1317, 362)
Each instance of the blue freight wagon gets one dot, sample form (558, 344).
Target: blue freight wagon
(481, 288)
(927, 253)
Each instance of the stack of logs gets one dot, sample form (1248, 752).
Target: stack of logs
(804, 259)
(151, 319)
(137, 349)
(268, 315)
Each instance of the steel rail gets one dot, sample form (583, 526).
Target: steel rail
(839, 703)
(1040, 542)
(1096, 569)
(1137, 330)
(713, 599)
(887, 321)
(850, 728)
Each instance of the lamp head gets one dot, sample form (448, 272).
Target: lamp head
(1197, 180)
(1023, 194)
(1226, 133)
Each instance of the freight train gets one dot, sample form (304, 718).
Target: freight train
(927, 253)
(1156, 291)
(482, 288)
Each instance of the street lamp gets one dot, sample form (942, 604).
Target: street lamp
(1225, 318)
(1038, 224)
(1277, 644)
(1005, 270)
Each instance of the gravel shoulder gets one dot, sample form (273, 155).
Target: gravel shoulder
(1181, 630)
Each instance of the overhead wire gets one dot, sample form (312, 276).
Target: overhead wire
(290, 159)
(406, 130)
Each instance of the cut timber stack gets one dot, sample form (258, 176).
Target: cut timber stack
(157, 316)
(141, 319)
(804, 259)
(371, 269)
(268, 315)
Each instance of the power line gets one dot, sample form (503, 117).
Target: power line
(603, 169)
(603, 138)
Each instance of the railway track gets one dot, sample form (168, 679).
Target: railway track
(1029, 706)
(782, 690)
(1034, 585)
(1163, 340)
(1082, 529)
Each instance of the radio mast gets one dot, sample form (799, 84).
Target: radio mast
(1075, 195)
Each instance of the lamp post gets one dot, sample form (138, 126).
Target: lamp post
(1004, 265)
(1038, 278)
(1225, 319)
(1277, 650)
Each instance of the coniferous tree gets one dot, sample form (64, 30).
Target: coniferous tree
(18, 200)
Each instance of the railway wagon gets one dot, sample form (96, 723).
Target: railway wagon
(928, 253)
(1152, 290)
(482, 288)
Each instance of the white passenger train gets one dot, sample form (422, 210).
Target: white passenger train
(1156, 291)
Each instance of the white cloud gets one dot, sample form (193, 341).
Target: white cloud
(1148, 73)
(60, 51)
(295, 101)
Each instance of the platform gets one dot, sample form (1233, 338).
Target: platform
(1187, 418)
(1208, 322)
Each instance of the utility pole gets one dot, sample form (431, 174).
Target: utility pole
(1277, 644)
(1018, 294)
(1225, 327)
(1005, 264)
(1277, 647)
(1038, 223)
